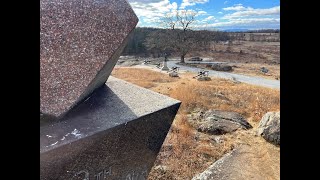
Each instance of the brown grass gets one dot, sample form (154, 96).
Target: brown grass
(189, 154)
(185, 151)
(253, 52)
(251, 101)
(143, 78)
(252, 69)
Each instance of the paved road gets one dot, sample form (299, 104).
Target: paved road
(204, 62)
(242, 78)
(275, 84)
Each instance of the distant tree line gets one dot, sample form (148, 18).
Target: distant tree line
(136, 41)
(263, 31)
(154, 42)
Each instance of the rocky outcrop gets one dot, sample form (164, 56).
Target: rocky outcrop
(264, 70)
(243, 163)
(218, 122)
(221, 67)
(204, 78)
(173, 74)
(269, 127)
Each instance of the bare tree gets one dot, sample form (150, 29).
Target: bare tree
(177, 35)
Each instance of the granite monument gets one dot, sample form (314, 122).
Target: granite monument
(100, 127)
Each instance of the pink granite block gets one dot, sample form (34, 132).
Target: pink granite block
(80, 43)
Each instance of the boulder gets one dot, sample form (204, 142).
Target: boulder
(264, 70)
(204, 78)
(242, 163)
(218, 122)
(195, 59)
(221, 67)
(173, 74)
(269, 127)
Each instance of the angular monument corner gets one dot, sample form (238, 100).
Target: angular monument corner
(112, 135)
(80, 43)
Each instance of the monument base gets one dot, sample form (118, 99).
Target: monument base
(165, 66)
(115, 134)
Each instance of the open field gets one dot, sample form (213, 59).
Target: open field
(246, 57)
(187, 152)
(249, 69)
(252, 52)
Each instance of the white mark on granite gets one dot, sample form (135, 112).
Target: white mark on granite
(76, 133)
(87, 99)
(48, 136)
(64, 137)
(53, 144)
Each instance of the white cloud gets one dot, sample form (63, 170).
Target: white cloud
(246, 22)
(249, 17)
(186, 3)
(253, 12)
(196, 13)
(236, 7)
(151, 11)
(201, 13)
(225, 2)
(208, 18)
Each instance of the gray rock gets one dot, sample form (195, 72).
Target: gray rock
(239, 164)
(264, 70)
(218, 139)
(234, 80)
(195, 59)
(217, 127)
(161, 168)
(204, 78)
(221, 67)
(269, 127)
(218, 122)
(173, 74)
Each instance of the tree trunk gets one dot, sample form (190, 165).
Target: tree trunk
(182, 59)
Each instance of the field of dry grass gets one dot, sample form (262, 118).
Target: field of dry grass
(254, 56)
(251, 69)
(252, 52)
(249, 100)
(146, 79)
(187, 152)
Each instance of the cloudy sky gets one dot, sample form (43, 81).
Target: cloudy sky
(213, 14)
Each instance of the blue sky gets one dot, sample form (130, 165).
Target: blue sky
(213, 14)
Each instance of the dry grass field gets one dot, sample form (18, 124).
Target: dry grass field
(254, 55)
(252, 52)
(187, 152)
